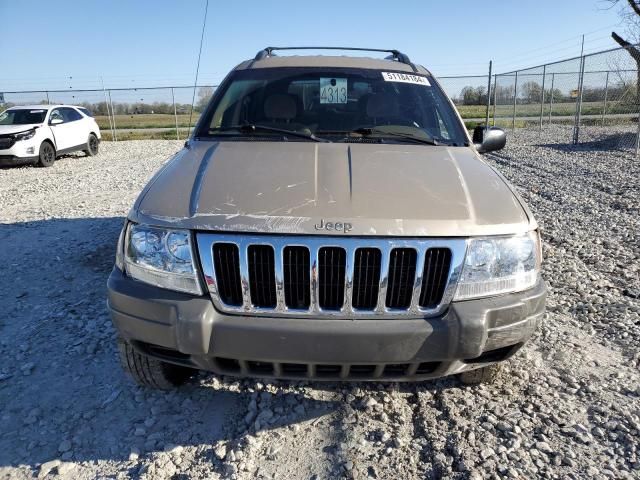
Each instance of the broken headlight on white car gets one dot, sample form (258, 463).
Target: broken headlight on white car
(497, 265)
(161, 257)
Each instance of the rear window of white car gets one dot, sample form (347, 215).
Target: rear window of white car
(86, 112)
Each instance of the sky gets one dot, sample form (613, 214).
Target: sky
(72, 44)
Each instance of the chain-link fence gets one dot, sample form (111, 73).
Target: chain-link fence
(128, 113)
(593, 100)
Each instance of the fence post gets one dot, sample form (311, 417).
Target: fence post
(486, 123)
(175, 113)
(544, 77)
(606, 94)
(495, 97)
(48, 102)
(553, 78)
(106, 104)
(638, 134)
(576, 126)
(515, 97)
(115, 132)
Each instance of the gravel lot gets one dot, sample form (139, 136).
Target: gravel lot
(567, 406)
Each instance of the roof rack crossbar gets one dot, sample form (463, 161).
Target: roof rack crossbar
(395, 54)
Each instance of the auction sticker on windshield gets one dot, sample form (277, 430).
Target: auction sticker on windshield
(405, 78)
(333, 90)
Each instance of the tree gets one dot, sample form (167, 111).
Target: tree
(473, 96)
(631, 14)
(204, 94)
(531, 92)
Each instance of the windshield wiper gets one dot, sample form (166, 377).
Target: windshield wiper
(366, 131)
(250, 128)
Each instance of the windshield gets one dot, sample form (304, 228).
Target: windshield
(337, 104)
(22, 116)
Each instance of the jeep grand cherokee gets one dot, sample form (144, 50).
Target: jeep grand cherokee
(329, 219)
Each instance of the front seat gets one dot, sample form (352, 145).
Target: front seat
(280, 108)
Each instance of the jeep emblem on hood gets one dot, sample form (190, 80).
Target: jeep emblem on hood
(333, 226)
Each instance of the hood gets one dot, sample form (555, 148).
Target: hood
(7, 129)
(331, 188)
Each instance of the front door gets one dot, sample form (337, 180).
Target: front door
(70, 133)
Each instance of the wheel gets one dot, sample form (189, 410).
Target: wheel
(92, 146)
(150, 372)
(481, 375)
(47, 154)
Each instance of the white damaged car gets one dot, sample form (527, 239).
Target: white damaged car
(39, 133)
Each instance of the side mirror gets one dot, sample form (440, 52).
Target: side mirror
(489, 139)
(56, 121)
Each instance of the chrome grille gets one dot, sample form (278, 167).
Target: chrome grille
(355, 277)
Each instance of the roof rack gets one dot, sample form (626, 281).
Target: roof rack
(395, 54)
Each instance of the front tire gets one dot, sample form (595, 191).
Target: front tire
(47, 154)
(92, 146)
(150, 372)
(482, 375)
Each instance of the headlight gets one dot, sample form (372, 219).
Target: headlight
(161, 257)
(499, 265)
(25, 135)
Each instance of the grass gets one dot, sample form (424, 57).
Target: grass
(559, 109)
(147, 120)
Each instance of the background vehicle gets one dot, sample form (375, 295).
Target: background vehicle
(39, 133)
(329, 219)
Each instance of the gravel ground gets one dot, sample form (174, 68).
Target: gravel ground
(567, 406)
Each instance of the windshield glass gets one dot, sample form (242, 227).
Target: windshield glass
(339, 104)
(22, 116)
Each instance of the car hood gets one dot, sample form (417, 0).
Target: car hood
(308, 188)
(6, 129)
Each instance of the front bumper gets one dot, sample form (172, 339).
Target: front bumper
(19, 153)
(187, 330)
(12, 160)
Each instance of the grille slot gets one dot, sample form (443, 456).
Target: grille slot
(435, 274)
(328, 370)
(362, 370)
(426, 367)
(227, 264)
(296, 277)
(395, 369)
(331, 268)
(366, 278)
(294, 369)
(262, 280)
(228, 364)
(263, 368)
(402, 272)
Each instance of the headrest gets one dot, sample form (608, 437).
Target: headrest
(281, 106)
